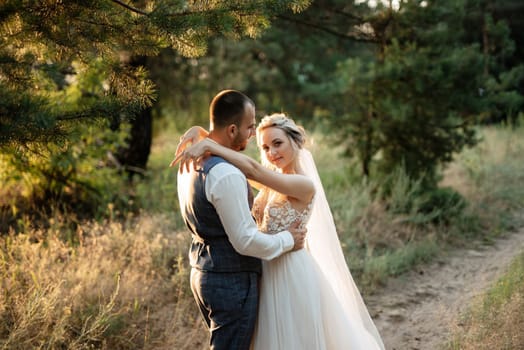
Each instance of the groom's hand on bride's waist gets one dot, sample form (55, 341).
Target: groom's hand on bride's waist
(299, 234)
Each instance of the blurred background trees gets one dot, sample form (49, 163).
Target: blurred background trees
(87, 85)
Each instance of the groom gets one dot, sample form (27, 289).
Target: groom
(227, 247)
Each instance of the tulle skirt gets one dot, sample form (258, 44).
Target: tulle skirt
(298, 310)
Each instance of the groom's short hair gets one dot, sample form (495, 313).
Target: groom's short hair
(227, 108)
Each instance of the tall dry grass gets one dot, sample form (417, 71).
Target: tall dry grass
(123, 287)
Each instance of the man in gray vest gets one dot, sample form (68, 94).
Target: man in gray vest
(227, 247)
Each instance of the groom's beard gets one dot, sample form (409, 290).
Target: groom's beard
(239, 143)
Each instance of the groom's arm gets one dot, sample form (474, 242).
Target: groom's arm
(227, 191)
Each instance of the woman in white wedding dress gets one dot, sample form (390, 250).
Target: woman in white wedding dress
(308, 299)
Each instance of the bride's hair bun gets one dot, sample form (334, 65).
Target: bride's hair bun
(279, 120)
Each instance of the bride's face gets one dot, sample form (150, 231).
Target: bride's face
(277, 148)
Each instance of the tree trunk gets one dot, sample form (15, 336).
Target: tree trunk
(485, 39)
(133, 158)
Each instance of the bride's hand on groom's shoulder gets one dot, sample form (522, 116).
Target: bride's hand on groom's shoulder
(193, 154)
(193, 135)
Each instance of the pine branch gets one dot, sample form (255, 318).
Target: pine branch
(352, 37)
(130, 8)
(240, 9)
(338, 12)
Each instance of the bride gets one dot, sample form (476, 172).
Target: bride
(308, 299)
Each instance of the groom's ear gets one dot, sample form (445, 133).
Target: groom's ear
(232, 130)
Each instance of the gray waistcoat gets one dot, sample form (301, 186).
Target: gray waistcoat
(210, 248)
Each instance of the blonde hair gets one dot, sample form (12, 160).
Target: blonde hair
(295, 133)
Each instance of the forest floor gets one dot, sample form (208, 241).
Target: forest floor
(420, 309)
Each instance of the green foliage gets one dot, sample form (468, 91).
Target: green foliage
(68, 176)
(416, 103)
(408, 198)
(442, 205)
(498, 25)
(46, 46)
(395, 87)
(505, 101)
(397, 262)
(282, 70)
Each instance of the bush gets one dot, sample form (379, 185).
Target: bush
(74, 177)
(441, 205)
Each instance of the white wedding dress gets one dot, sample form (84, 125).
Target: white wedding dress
(302, 305)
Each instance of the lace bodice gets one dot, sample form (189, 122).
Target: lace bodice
(274, 213)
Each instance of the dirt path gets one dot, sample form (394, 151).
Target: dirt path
(416, 311)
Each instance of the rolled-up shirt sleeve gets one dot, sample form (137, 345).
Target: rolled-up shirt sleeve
(226, 189)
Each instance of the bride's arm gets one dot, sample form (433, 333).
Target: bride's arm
(255, 184)
(293, 185)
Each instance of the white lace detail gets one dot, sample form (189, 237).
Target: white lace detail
(278, 214)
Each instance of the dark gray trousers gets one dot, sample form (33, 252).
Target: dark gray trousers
(228, 302)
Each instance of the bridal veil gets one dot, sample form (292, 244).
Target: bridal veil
(324, 245)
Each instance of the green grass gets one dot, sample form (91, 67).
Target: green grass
(495, 321)
(397, 262)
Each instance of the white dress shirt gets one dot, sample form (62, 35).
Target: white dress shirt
(226, 189)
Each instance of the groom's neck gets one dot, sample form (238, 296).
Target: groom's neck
(219, 138)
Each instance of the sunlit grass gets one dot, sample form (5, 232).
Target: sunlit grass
(124, 287)
(495, 320)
